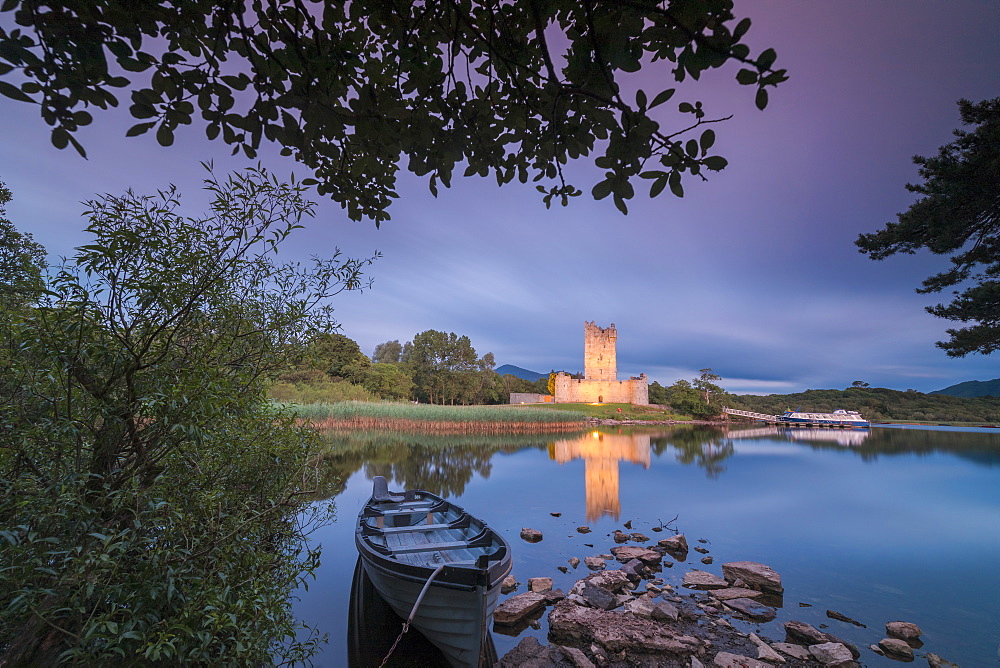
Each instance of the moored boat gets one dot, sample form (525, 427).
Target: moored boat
(838, 418)
(431, 560)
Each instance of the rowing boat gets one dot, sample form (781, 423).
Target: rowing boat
(435, 565)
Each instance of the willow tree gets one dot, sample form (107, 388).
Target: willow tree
(358, 90)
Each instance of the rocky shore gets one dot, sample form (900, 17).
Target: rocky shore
(624, 613)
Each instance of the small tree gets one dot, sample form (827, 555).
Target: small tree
(151, 498)
(704, 384)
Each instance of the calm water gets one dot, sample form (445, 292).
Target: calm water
(892, 524)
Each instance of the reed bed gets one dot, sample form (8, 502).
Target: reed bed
(427, 418)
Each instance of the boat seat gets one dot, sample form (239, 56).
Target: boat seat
(432, 547)
(457, 523)
(380, 492)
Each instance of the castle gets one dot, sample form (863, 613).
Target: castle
(600, 383)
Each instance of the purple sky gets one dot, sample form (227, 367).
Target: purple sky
(753, 274)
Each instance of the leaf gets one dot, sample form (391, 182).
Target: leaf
(138, 129)
(741, 28)
(766, 59)
(640, 100)
(761, 99)
(164, 136)
(60, 138)
(620, 205)
(602, 189)
(662, 97)
(691, 148)
(746, 77)
(715, 162)
(675, 184)
(707, 139)
(685, 107)
(658, 186)
(13, 92)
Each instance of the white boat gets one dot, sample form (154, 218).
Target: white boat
(838, 418)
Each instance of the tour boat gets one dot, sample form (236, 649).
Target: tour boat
(437, 567)
(838, 418)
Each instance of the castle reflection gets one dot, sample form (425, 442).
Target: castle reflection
(601, 454)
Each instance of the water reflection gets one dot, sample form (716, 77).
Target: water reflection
(601, 453)
(843, 437)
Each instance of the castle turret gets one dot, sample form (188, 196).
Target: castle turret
(600, 360)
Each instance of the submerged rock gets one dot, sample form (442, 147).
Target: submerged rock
(696, 579)
(833, 614)
(754, 575)
(531, 535)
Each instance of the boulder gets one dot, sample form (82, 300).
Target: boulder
(765, 652)
(832, 654)
(639, 537)
(577, 657)
(634, 569)
(509, 584)
(903, 630)
(540, 585)
(664, 611)
(641, 606)
(707, 560)
(674, 544)
(730, 660)
(756, 576)
(531, 535)
(700, 550)
(895, 648)
(696, 579)
(613, 581)
(529, 652)
(598, 597)
(620, 537)
(595, 563)
(735, 592)
(751, 609)
(624, 553)
(615, 632)
(805, 634)
(935, 661)
(554, 596)
(516, 608)
(795, 651)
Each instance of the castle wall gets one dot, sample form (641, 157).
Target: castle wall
(529, 398)
(575, 390)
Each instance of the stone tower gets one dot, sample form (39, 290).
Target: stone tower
(600, 360)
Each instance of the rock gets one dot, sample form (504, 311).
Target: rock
(562, 569)
(652, 588)
(639, 538)
(832, 654)
(735, 592)
(730, 660)
(584, 529)
(935, 661)
(615, 632)
(707, 560)
(529, 652)
(756, 576)
(764, 651)
(554, 596)
(903, 630)
(531, 535)
(642, 606)
(509, 584)
(516, 608)
(833, 614)
(626, 553)
(695, 663)
(794, 651)
(634, 570)
(577, 657)
(751, 609)
(805, 634)
(619, 536)
(598, 597)
(700, 550)
(696, 579)
(673, 544)
(556, 514)
(664, 611)
(595, 563)
(613, 581)
(574, 562)
(896, 648)
(540, 585)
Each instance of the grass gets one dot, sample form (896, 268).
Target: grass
(611, 411)
(428, 418)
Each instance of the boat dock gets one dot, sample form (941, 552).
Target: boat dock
(810, 419)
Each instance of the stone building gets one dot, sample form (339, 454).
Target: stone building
(600, 383)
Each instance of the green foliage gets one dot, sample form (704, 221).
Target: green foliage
(612, 412)
(312, 386)
(354, 90)
(958, 214)
(22, 261)
(337, 355)
(152, 499)
(879, 404)
(657, 393)
(433, 413)
(388, 381)
(389, 352)
(446, 369)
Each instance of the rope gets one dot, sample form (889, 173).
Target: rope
(413, 613)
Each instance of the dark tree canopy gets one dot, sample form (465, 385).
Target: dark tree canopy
(356, 90)
(958, 214)
(22, 260)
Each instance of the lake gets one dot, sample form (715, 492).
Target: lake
(889, 524)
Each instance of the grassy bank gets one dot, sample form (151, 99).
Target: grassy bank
(612, 411)
(428, 418)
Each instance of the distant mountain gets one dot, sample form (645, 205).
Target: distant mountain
(973, 388)
(519, 372)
